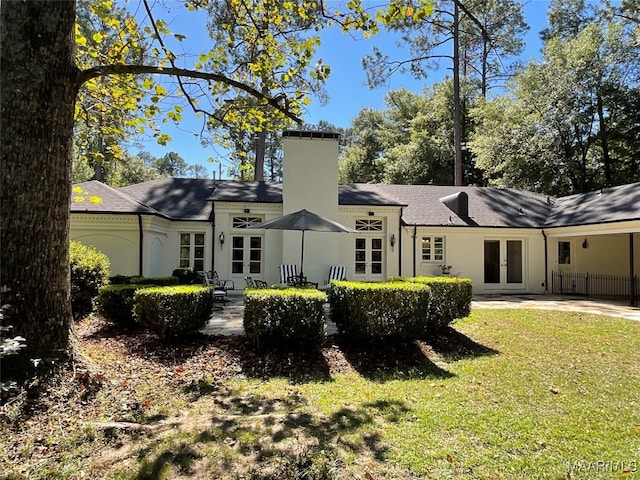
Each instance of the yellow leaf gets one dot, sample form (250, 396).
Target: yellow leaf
(94, 199)
(97, 37)
(409, 11)
(78, 199)
(80, 40)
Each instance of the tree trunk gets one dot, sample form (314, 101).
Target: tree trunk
(604, 141)
(39, 83)
(261, 142)
(457, 121)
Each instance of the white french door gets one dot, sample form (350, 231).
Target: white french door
(504, 264)
(369, 258)
(246, 257)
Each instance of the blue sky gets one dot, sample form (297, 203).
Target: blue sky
(346, 85)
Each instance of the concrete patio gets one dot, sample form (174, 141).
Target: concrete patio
(228, 320)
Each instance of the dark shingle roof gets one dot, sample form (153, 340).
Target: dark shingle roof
(237, 191)
(109, 200)
(366, 194)
(189, 199)
(488, 207)
(615, 204)
(177, 198)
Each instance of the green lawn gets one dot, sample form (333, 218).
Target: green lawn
(513, 394)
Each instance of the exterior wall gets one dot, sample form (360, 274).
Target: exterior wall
(345, 254)
(464, 252)
(271, 241)
(118, 237)
(607, 249)
(322, 249)
(164, 258)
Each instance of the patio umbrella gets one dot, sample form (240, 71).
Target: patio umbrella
(304, 220)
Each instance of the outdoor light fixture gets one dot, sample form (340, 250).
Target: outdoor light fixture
(246, 210)
(585, 244)
(371, 214)
(392, 240)
(221, 238)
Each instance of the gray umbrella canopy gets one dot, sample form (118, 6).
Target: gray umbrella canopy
(304, 220)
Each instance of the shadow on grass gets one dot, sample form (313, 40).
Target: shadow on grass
(258, 437)
(274, 428)
(391, 360)
(452, 345)
(298, 366)
(181, 457)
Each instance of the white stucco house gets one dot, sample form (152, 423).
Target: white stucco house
(505, 240)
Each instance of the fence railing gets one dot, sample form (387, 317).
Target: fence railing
(592, 285)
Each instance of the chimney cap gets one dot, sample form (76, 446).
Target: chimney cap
(310, 134)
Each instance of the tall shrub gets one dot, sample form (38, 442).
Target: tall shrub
(379, 311)
(450, 298)
(89, 271)
(292, 317)
(173, 311)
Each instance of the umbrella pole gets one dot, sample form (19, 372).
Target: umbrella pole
(302, 256)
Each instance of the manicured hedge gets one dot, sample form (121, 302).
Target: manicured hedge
(89, 271)
(292, 317)
(173, 311)
(450, 298)
(156, 281)
(378, 311)
(115, 303)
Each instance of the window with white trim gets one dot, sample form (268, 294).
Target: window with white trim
(564, 253)
(369, 225)
(432, 249)
(245, 222)
(192, 251)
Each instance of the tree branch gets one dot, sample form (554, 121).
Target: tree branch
(117, 69)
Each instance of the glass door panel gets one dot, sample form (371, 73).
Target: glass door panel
(376, 256)
(361, 256)
(237, 255)
(514, 261)
(255, 256)
(492, 261)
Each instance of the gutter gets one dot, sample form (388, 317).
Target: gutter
(415, 235)
(632, 275)
(400, 243)
(546, 263)
(141, 244)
